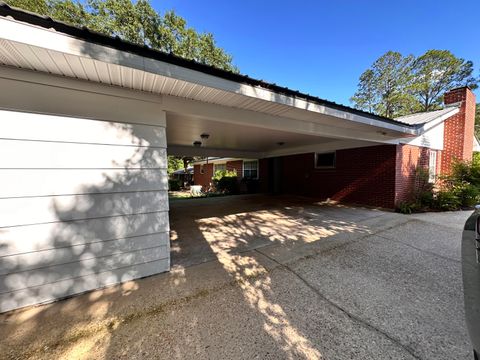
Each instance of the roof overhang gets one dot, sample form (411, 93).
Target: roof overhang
(185, 90)
(427, 120)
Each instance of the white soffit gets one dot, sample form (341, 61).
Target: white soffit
(35, 48)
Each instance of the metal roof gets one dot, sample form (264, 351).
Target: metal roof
(426, 117)
(144, 51)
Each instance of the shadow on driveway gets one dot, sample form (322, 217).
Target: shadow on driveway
(269, 277)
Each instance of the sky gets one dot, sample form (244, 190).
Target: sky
(321, 47)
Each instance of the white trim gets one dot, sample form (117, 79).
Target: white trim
(432, 166)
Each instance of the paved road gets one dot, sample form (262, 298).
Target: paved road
(282, 279)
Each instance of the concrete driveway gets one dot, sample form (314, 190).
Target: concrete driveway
(271, 278)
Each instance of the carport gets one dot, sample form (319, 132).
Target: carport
(87, 122)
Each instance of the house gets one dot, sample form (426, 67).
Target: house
(204, 170)
(354, 175)
(86, 124)
(184, 177)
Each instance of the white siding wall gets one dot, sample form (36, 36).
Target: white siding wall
(432, 138)
(83, 202)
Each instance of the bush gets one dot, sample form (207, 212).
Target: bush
(460, 189)
(421, 197)
(467, 194)
(407, 207)
(426, 200)
(226, 181)
(465, 172)
(446, 200)
(174, 185)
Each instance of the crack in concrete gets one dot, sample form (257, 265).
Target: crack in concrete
(350, 315)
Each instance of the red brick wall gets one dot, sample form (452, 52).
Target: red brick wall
(458, 133)
(204, 179)
(362, 175)
(409, 158)
(236, 165)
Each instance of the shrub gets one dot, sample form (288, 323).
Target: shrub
(421, 196)
(467, 194)
(465, 172)
(226, 181)
(407, 207)
(426, 200)
(173, 185)
(446, 200)
(460, 189)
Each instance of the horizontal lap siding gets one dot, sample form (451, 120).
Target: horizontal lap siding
(83, 204)
(48, 182)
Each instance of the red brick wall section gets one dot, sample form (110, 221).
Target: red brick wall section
(409, 158)
(458, 133)
(236, 165)
(204, 179)
(362, 176)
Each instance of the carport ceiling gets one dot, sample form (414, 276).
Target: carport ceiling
(184, 130)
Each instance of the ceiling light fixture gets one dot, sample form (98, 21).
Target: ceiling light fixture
(197, 143)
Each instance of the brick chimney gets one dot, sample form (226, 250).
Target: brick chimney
(458, 133)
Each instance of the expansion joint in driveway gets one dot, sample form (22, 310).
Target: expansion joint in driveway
(355, 318)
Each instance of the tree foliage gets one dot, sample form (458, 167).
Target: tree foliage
(437, 71)
(397, 85)
(137, 22)
(383, 87)
(174, 164)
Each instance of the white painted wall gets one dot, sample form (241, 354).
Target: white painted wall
(83, 202)
(432, 138)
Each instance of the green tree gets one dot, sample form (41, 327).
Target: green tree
(384, 88)
(396, 85)
(174, 164)
(137, 22)
(437, 71)
(366, 97)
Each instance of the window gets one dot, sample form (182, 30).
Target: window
(432, 166)
(250, 169)
(218, 167)
(202, 169)
(325, 160)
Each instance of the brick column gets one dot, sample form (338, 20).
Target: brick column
(459, 129)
